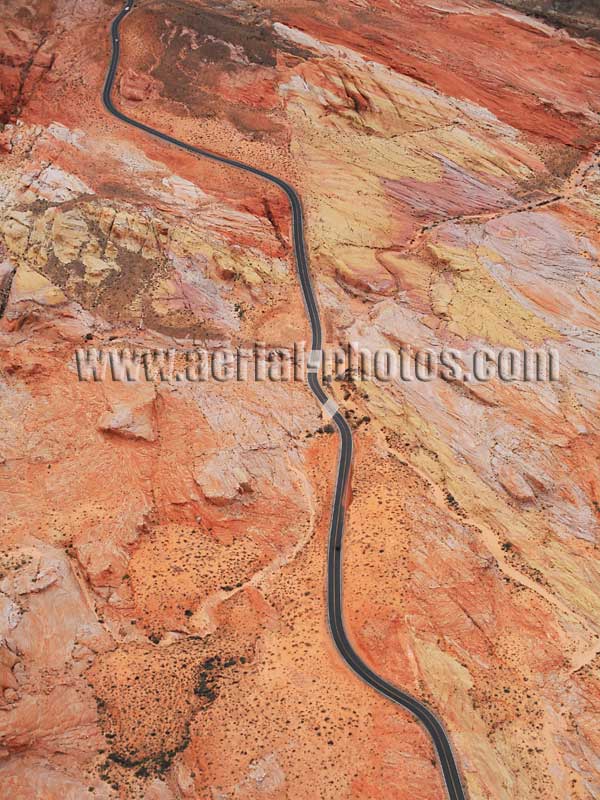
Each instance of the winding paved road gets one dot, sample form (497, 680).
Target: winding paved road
(336, 531)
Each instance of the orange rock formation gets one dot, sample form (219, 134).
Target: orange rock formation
(163, 629)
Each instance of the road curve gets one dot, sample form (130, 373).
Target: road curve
(336, 531)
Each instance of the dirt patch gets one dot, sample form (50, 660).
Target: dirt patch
(579, 17)
(146, 697)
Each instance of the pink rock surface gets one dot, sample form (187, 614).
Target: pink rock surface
(162, 592)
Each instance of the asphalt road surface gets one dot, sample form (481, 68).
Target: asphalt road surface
(336, 531)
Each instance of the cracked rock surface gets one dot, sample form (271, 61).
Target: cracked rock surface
(162, 570)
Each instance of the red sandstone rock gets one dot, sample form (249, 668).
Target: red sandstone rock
(162, 574)
(134, 86)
